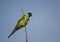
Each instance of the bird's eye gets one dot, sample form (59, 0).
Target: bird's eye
(30, 14)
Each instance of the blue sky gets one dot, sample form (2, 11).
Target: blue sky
(44, 25)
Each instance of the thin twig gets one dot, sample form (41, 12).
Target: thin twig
(22, 12)
(26, 34)
(25, 30)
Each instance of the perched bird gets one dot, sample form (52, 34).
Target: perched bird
(22, 22)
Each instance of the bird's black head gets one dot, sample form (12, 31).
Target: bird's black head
(30, 14)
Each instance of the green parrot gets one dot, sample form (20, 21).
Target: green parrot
(22, 22)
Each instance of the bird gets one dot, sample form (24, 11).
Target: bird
(22, 22)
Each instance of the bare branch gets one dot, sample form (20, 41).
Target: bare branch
(25, 29)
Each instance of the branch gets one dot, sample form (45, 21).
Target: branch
(25, 30)
(26, 34)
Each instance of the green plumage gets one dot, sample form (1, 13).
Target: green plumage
(22, 22)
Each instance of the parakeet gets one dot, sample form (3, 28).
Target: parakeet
(22, 22)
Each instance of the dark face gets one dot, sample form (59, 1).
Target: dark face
(30, 14)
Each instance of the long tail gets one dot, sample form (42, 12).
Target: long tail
(12, 32)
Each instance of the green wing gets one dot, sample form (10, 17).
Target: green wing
(20, 20)
(24, 20)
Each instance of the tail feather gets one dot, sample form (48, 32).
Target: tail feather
(15, 29)
(12, 33)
